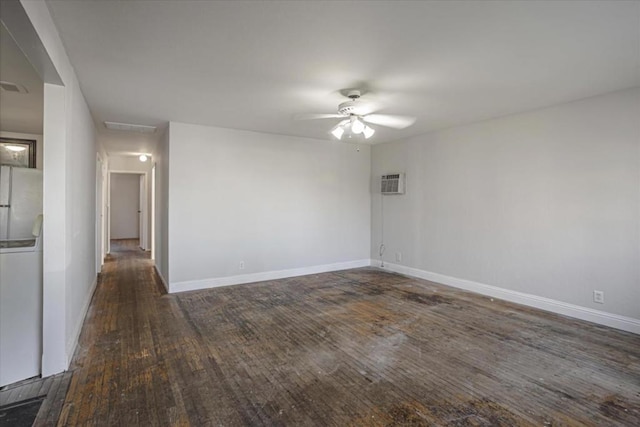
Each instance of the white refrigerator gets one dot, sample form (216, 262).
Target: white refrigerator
(20, 275)
(20, 201)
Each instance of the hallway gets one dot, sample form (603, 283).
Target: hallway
(120, 368)
(355, 347)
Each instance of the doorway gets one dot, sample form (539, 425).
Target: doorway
(128, 210)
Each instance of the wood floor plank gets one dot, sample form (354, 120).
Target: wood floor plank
(359, 347)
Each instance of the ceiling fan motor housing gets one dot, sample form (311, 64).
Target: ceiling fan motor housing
(350, 107)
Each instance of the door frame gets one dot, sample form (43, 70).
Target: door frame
(144, 211)
(153, 211)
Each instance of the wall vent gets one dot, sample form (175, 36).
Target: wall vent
(129, 127)
(392, 183)
(12, 87)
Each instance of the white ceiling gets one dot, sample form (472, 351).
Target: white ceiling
(254, 65)
(19, 112)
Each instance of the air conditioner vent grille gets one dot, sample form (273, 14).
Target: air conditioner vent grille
(392, 183)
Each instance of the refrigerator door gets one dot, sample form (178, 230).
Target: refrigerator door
(26, 201)
(5, 177)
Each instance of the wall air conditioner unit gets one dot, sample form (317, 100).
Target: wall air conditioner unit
(392, 183)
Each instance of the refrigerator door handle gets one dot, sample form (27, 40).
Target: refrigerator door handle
(5, 206)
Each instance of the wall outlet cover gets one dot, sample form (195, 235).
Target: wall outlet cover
(598, 296)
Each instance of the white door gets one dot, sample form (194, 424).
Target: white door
(142, 200)
(5, 177)
(99, 213)
(153, 212)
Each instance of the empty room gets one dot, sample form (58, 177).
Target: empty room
(320, 213)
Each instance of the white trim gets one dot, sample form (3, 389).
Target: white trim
(164, 283)
(73, 344)
(215, 282)
(624, 323)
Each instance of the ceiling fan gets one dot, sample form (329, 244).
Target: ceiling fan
(356, 113)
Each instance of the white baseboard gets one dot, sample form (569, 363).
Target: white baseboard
(193, 285)
(73, 344)
(624, 323)
(164, 283)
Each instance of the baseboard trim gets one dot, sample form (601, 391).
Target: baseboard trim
(73, 344)
(616, 321)
(164, 283)
(193, 285)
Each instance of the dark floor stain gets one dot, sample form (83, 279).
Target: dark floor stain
(618, 408)
(370, 289)
(479, 412)
(408, 415)
(433, 299)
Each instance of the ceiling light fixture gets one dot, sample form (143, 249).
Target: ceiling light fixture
(143, 157)
(368, 132)
(356, 125)
(350, 127)
(337, 132)
(15, 148)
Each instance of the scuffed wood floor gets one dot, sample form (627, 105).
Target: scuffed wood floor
(358, 347)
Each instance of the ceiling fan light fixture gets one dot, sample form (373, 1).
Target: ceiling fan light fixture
(356, 115)
(368, 132)
(337, 132)
(357, 126)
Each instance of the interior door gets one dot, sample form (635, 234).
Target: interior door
(141, 210)
(5, 177)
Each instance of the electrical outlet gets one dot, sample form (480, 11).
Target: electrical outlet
(398, 256)
(598, 296)
(241, 265)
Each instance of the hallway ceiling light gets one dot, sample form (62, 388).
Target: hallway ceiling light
(143, 157)
(129, 127)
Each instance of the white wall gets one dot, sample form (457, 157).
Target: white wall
(161, 160)
(125, 198)
(69, 201)
(32, 136)
(129, 164)
(544, 203)
(274, 202)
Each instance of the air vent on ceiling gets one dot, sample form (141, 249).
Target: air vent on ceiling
(129, 127)
(392, 183)
(12, 87)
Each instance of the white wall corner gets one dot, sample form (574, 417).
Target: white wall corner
(623, 323)
(72, 344)
(193, 285)
(164, 283)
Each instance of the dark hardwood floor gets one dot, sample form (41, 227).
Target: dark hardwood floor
(358, 347)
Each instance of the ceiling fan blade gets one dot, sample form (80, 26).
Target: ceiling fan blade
(312, 116)
(396, 122)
